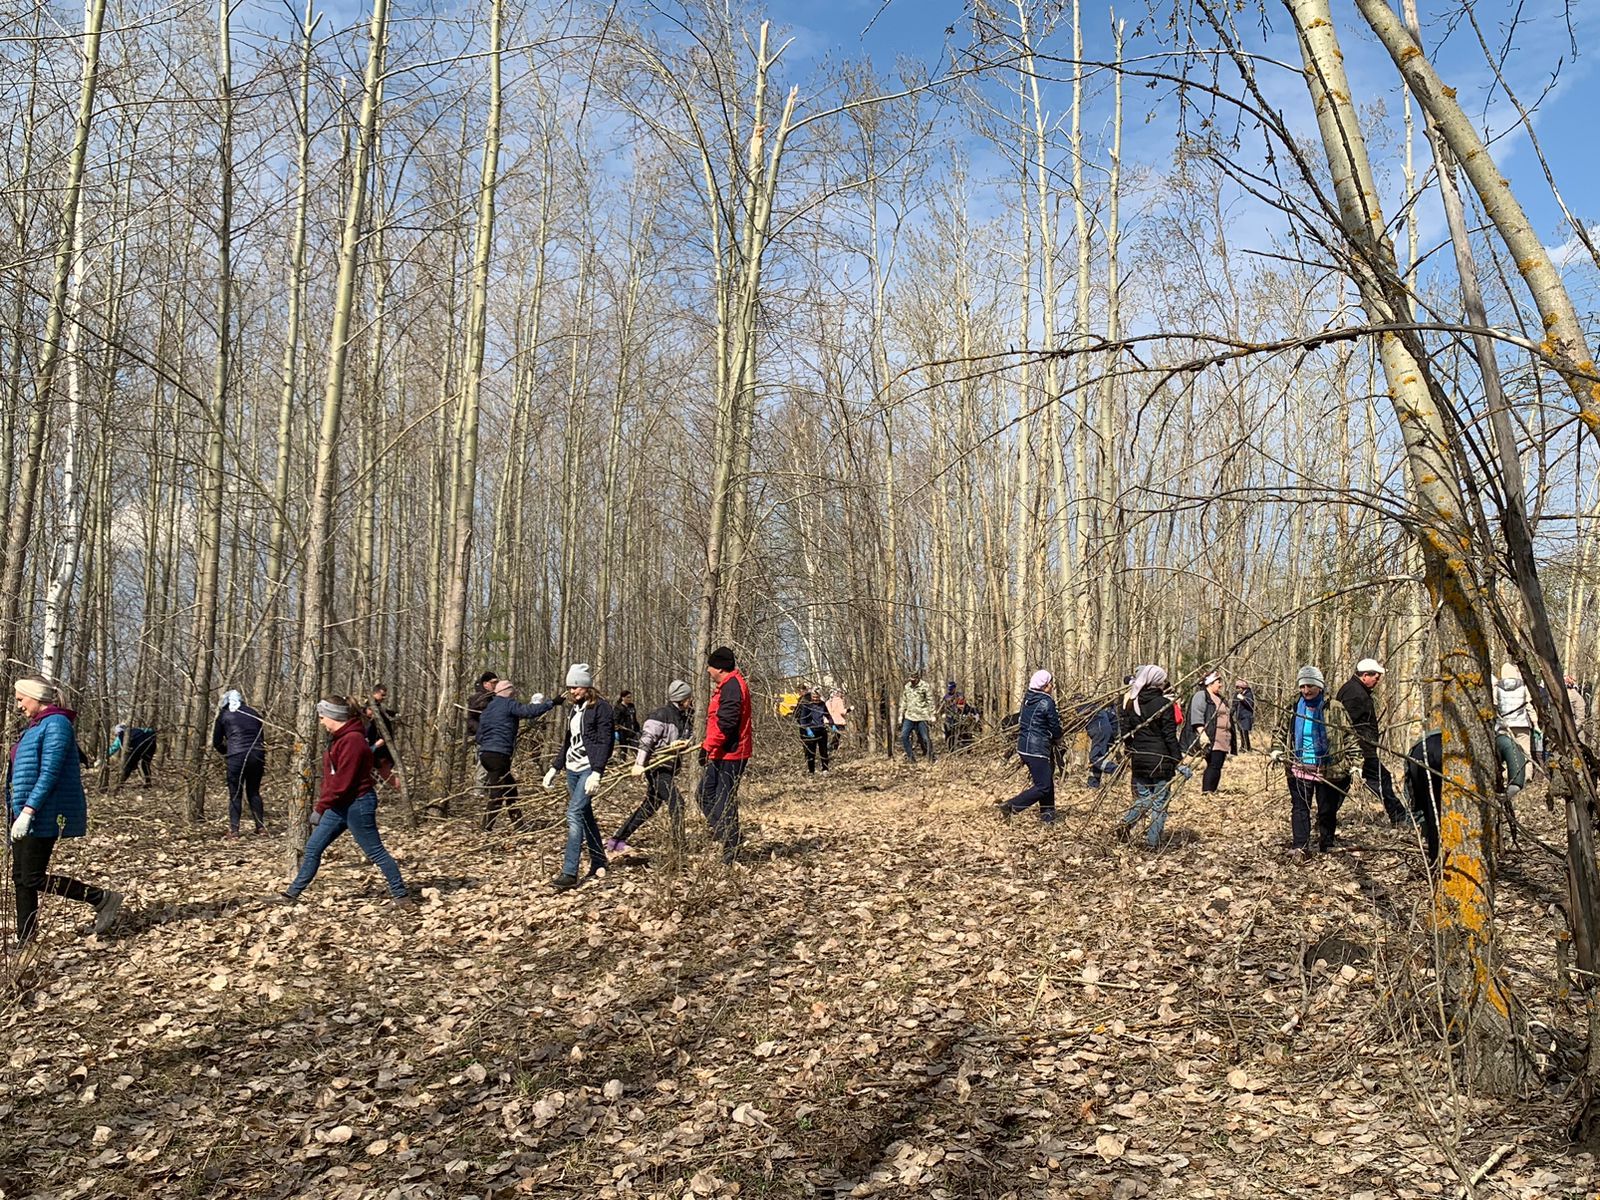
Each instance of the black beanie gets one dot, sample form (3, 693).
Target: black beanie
(722, 659)
(487, 677)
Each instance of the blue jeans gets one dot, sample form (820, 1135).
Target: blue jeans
(581, 827)
(1041, 789)
(1150, 798)
(361, 819)
(921, 729)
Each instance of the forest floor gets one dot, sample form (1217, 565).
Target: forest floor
(896, 994)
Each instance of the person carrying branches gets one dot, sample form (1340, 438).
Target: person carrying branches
(1319, 749)
(663, 739)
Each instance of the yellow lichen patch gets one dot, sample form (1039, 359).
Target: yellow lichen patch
(1449, 93)
(1409, 53)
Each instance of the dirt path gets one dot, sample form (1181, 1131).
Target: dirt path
(897, 993)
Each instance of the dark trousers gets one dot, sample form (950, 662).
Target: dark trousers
(138, 756)
(1213, 773)
(660, 787)
(816, 742)
(1041, 789)
(244, 786)
(719, 801)
(1381, 784)
(1241, 737)
(1325, 797)
(501, 787)
(30, 874)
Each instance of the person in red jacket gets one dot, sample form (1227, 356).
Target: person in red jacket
(348, 800)
(726, 749)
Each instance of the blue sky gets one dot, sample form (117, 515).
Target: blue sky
(1564, 121)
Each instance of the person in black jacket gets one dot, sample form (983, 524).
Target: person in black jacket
(583, 754)
(1150, 732)
(497, 742)
(476, 703)
(1356, 696)
(811, 714)
(381, 722)
(662, 743)
(137, 745)
(625, 717)
(237, 735)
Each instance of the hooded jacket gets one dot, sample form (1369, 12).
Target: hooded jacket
(346, 767)
(1512, 702)
(45, 775)
(237, 734)
(665, 725)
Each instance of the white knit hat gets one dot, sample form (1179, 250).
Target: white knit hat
(580, 675)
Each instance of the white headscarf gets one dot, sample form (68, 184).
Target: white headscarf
(1144, 677)
(232, 699)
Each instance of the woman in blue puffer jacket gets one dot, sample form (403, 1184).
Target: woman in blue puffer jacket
(1038, 728)
(46, 804)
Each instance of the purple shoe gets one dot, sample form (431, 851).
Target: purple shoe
(615, 847)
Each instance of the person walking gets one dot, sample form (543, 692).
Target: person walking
(1424, 784)
(46, 803)
(811, 714)
(1202, 706)
(726, 749)
(498, 726)
(1320, 752)
(583, 754)
(1357, 697)
(1100, 723)
(238, 736)
(626, 718)
(960, 723)
(347, 799)
(916, 716)
(662, 741)
(1580, 708)
(1216, 736)
(1243, 715)
(137, 745)
(1150, 733)
(1514, 708)
(381, 722)
(1038, 731)
(838, 719)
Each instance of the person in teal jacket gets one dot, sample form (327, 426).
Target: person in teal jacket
(46, 804)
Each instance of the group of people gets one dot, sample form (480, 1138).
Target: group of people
(1323, 742)
(595, 732)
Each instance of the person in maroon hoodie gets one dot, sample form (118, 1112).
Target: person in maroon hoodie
(348, 800)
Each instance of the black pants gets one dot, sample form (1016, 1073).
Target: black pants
(244, 786)
(816, 742)
(660, 787)
(1304, 794)
(1213, 774)
(1241, 735)
(30, 862)
(138, 756)
(501, 787)
(719, 801)
(1381, 784)
(1041, 789)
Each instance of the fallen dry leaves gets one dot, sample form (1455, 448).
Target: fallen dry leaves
(898, 995)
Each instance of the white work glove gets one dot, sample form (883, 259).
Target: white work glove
(636, 770)
(536, 698)
(23, 823)
(549, 779)
(1205, 740)
(591, 784)
(677, 747)
(1275, 757)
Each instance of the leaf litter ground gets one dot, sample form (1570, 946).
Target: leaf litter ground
(896, 994)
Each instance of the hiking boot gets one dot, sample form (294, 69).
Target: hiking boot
(1047, 816)
(406, 903)
(232, 835)
(105, 913)
(564, 882)
(1003, 810)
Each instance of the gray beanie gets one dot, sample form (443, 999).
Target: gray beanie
(1310, 675)
(580, 675)
(678, 690)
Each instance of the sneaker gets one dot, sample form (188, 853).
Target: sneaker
(1047, 817)
(1298, 854)
(232, 835)
(407, 903)
(105, 913)
(1003, 810)
(282, 898)
(261, 831)
(564, 882)
(613, 846)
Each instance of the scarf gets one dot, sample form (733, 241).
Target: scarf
(1144, 677)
